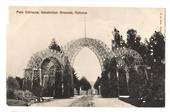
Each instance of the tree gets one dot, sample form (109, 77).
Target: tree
(118, 39)
(76, 82)
(67, 79)
(20, 82)
(109, 78)
(12, 83)
(134, 42)
(155, 87)
(108, 87)
(85, 84)
(122, 82)
(54, 45)
(97, 84)
(142, 50)
(156, 48)
(134, 83)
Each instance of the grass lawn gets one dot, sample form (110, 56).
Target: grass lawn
(139, 103)
(13, 102)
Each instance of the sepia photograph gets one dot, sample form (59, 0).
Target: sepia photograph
(85, 56)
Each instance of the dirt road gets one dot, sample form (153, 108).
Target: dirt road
(85, 101)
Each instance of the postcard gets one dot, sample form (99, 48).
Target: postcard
(85, 56)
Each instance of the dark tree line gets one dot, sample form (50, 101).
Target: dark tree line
(152, 51)
(82, 83)
(108, 83)
(85, 84)
(12, 85)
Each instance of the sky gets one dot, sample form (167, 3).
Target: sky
(28, 33)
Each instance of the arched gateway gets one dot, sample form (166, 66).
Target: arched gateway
(101, 50)
(45, 70)
(49, 73)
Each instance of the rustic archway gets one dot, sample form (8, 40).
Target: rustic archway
(101, 50)
(45, 64)
(45, 72)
